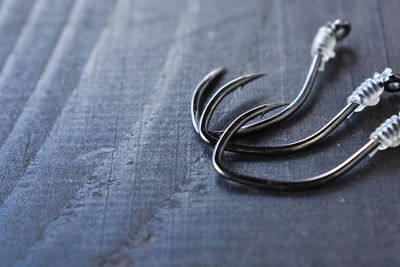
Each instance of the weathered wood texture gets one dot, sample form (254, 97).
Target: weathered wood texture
(99, 162)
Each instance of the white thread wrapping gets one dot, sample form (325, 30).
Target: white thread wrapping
(324, 43)
(368, 93)
(388, 133)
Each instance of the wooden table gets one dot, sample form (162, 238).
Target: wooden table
(100, 164)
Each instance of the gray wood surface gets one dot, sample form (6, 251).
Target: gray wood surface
(100, 165)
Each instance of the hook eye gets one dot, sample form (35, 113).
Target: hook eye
(341, 28)
(392, 84)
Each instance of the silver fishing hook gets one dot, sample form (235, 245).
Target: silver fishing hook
(386, 135)
(322, 50)
(367, 94)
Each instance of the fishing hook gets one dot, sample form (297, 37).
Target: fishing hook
(367, 94)
(386, 135)
(321, 51)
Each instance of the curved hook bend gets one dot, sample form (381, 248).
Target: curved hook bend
(204, 86)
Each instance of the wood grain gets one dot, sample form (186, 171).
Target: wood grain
(100, 166)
